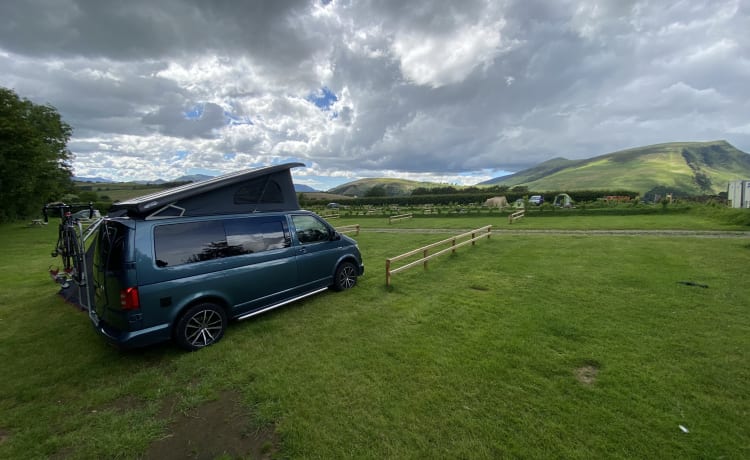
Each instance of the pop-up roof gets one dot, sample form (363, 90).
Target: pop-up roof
(250, 190)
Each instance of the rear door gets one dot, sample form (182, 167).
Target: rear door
(113, 270)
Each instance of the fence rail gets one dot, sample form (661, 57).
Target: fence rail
(348, 229)
(516, 215)
(483, 232)
(392, 219)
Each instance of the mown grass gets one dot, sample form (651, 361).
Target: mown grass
(561, 221)
(475, 358)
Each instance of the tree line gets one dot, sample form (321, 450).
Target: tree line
(35, 163)
(462, 198)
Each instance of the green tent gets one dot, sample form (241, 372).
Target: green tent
(563, 200)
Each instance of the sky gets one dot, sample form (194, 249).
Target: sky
(437, 90)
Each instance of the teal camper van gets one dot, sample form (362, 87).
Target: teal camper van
(180, 264)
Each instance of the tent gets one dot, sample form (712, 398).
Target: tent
(251, 190)
(563, 200)
(496, 202)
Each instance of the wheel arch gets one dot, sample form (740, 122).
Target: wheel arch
(207, 298)
(346, 258)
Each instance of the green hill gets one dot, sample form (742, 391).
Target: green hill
(532, 174)
(392, 187)
(692, 168)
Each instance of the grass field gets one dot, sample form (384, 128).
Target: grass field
(532, 346)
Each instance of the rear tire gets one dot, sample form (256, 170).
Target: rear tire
(345, 277)
(72, 256)
(202, 325)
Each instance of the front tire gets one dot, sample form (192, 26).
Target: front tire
(345, 277)
(202, 325)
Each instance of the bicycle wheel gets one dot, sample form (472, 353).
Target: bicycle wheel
(72, 256)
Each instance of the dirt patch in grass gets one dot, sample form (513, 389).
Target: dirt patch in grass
(4, 435)
(220, 428)
(477, 287)
(587, 373)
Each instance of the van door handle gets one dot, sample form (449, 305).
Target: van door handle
(302, 250)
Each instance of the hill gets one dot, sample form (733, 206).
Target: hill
(303, 188)
(691, 168)
(534, 173)
(193, 178)
(91, 179)
(391, 187)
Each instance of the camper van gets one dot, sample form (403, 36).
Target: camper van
(178, 265)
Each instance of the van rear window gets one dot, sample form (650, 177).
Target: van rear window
(111, 247)
(185, 243)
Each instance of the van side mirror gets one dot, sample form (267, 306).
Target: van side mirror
(335, 236)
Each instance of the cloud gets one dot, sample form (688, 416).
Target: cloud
(417, 89)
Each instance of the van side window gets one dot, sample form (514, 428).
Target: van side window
(310, 230)
(185, 243)
(247, 236)
(179, 244)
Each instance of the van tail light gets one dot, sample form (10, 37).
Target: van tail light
(129, 299)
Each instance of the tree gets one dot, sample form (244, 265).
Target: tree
(35, 164)
(377, 191)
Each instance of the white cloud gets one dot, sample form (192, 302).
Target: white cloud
(438, 89)
(438, 60)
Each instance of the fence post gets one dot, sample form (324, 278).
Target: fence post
(473, 243)
(387, 272)
(357, 230)
(425, 253)
(453, 246)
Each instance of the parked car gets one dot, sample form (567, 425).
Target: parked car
(536, 200)
(180, 264)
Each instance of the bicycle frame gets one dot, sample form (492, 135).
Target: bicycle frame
(71, 245)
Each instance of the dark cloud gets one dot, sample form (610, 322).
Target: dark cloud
(437, 87)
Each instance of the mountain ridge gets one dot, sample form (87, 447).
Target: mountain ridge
(691, 168)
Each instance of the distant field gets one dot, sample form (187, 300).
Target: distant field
(523, 346)
(666, 221)
(118, 191)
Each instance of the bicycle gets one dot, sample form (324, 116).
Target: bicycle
(69, 244)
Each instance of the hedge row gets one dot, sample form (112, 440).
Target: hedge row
(468, 198)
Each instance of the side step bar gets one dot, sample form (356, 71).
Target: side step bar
(280, 304)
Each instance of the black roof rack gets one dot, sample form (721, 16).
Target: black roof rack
(251, 190)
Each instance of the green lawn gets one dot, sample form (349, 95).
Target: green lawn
(532, 346)
(561, 221)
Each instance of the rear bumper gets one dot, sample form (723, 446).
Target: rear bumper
(130, 339)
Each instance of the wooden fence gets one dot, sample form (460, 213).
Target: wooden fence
(515, 216)
(399, 217)
(482, 232)
(348, 229)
